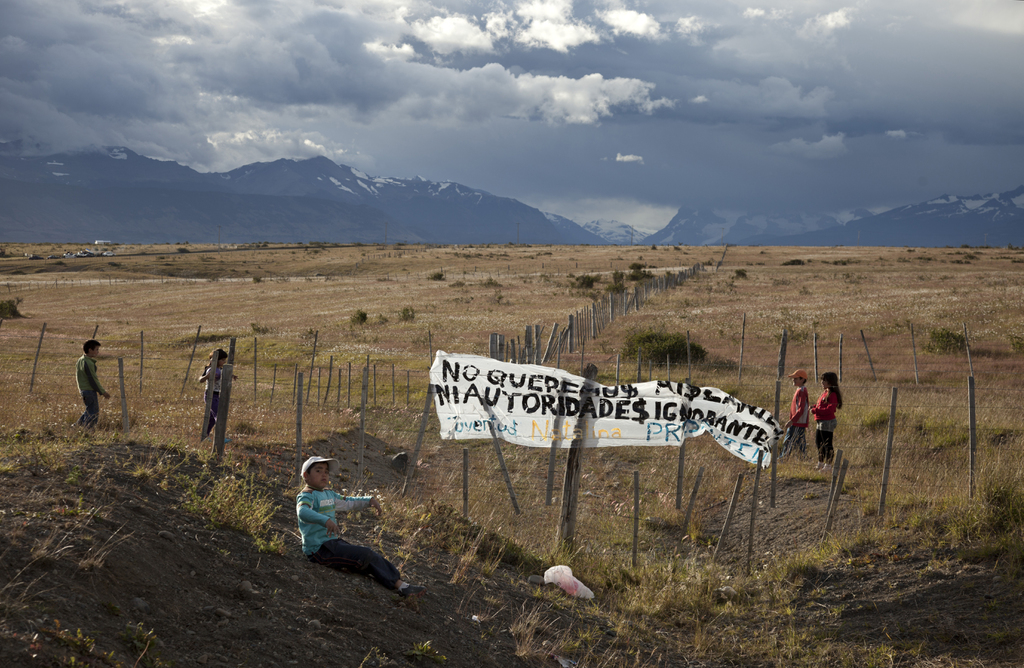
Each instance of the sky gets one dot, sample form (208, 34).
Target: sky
(623, 109)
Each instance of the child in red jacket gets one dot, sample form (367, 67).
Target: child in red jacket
(799, 416)
(824, 413)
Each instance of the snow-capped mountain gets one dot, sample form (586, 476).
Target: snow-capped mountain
(615, 232)
(117, 193)
(574, 233)
(996, 219)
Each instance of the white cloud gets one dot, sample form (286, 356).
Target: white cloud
(391, 51)
(753, 13)
(584, 100)
(629, 22)
(629, 158)
(273, 143)
(823, 25)
(690, 27)
(447, 34)
(550, 24)
(700, 99)
(830, 146)
(896, 134)
(771, 97)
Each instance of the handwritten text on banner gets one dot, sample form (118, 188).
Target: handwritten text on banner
(531, 405)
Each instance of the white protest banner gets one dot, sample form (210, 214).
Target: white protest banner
(532, 405)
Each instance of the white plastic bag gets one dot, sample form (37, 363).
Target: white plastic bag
(562, 576)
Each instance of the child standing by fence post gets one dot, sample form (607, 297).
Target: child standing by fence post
(799, 415)
(89, 384)
(824, 412)
(214, 366)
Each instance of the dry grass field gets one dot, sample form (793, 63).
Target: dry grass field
(900, 587)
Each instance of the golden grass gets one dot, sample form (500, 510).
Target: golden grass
(306, 293)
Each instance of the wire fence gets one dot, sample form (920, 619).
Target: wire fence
(933, 443)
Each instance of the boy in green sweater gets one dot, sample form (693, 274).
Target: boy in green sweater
(89, 384)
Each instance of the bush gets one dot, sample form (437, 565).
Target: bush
(618, 282)
(741, 273)
(944, 340)
(637, 272)
(1017, 343)
(792, 263)
(585, 282)
(658, 345)
(182, 249)
(358, 318)
(407, 314)
(257, 279)
(9, 308)
(436, 276)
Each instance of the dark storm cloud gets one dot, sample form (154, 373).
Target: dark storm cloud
(729, 105)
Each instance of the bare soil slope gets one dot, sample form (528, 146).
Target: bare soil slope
(108, 555)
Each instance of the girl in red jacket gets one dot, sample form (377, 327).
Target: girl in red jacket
(824, 413)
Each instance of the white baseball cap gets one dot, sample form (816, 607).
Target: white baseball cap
(332, 464)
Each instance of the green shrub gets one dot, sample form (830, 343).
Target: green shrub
(436, 276)
(9, 308)
(358, 318)
(741, 273)
(182, 249)
(407, 314)
(618, 282)
(1017, 343)
(257, 279)
(792, 263)
(637, 271)
(944, 340)
(585, 282)
(657, 345)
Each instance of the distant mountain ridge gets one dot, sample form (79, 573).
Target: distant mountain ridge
(119, 194)
(116, 193)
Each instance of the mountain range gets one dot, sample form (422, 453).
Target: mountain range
(116, 194)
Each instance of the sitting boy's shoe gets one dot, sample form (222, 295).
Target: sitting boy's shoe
(412, 591)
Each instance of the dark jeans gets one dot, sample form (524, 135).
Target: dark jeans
(92, 409)
(823, 439)
(213, 413)
(343, 556)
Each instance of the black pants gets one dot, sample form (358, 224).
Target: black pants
(343, 556)
(823, 439)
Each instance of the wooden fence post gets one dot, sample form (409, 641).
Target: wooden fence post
(816, 376)
(679, 473)
(142, 357)
(273, 386)
(689, 367)
(728, 517)
(743, 338)
(255, 363)
(465, 483)
(967, 344)
(298, 431)
(220, 429)
(888, 455)
(870, 363)
(840, 358)
(636, 513)
(693, 500)
(504, 469)
(913, 346)
(573, 471)
(753, 509)
(32, 383)
(782, 355)
(124, 396)
(362, 423)
(330, 376)
(410, 469)
(835, 498)
(972, 416)
(312, 361)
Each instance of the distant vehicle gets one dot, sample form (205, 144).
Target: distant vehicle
(67, 255)
(85, 253)
(35, 257)
(52, 257)
(108, 254)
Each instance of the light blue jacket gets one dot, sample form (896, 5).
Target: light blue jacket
(314, 507)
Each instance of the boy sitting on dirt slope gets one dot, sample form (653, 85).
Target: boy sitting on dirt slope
(315, 507)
